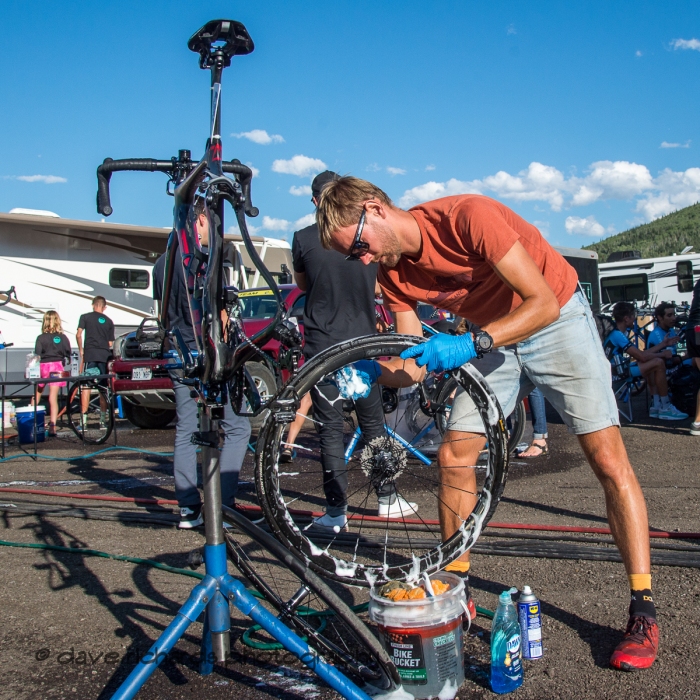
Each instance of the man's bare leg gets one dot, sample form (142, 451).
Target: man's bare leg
(624, 501)
(627, 517)
(457, 495)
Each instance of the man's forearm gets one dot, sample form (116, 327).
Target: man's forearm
(534, 314)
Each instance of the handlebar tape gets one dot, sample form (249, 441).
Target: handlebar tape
(109, 166)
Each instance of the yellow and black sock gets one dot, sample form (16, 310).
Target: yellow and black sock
(642, 602)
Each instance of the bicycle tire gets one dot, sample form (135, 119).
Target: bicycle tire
(98, 427)
(294, 592)
(397, 558)
(515, 423)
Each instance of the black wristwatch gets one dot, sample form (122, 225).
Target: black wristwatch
(483, 343)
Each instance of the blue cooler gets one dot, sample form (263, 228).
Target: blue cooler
(25, 424)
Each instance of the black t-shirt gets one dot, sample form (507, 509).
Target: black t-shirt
(179, 316)
(99, 332)
(694, 313)
(52, 347)
(339, 293)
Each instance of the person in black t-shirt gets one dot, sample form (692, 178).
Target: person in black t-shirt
(693, 345)
(236, 428)
(53, 348)
(339, 306)
(95, 350)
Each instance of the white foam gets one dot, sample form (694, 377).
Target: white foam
(397, 694)
(449, 690)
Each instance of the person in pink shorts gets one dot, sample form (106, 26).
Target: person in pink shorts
(53, 348)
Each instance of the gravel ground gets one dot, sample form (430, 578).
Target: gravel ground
(74, 625)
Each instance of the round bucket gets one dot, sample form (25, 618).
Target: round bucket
(25, 424)
(424, 638)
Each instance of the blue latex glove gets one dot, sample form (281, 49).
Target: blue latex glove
(442, 352)
(371, 368)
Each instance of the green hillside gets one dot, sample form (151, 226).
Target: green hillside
(665, 236)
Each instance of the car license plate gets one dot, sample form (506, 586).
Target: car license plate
(140, 374)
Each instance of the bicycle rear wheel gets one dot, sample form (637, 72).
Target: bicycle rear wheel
(95, 425)
(308, 606)
(375, 548)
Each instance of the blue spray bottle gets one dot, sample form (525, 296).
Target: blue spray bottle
(506, 648)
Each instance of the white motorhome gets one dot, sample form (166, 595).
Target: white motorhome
(61, 264)
(650, 280)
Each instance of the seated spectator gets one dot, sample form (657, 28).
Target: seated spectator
(665, 331)
(650, 363)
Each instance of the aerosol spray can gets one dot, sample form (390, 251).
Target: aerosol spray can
(530, 620)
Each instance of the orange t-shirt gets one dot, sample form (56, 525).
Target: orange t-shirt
(463, 237)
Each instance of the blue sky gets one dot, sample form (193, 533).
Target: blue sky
(583, 117)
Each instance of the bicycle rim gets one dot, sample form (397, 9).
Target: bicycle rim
(374, 548)
(95, 425)
(308, 606)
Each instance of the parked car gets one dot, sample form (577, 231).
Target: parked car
(141, 375)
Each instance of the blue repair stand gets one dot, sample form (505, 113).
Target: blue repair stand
(218, 588)
(409, 447)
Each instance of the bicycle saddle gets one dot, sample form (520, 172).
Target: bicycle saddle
(220, 35)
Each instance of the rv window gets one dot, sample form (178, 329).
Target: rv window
(684, 276)
(627, 288)
(128, 279)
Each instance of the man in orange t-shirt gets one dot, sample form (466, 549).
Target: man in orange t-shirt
(474, 256)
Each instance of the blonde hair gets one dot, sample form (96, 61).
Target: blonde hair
(51, 323)
(341, 204)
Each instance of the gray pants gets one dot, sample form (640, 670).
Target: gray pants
(236, 436)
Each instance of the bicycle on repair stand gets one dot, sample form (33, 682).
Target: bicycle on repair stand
(216, 374)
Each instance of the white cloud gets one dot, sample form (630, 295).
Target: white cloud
(611, 180)
(435, 190)
(259, 136)
(395, 171)
(305, 221)
(429, 168)
(46, 179)
(638, 54)
(538, 182)
(576, 225)
(373, 168)
(674, 190)
(303, 166)
(666, 144)
(510, 29)
(300, 190)
(255, 170)
(270, 224)
(693, 44)
(606, 180)
(543, 227)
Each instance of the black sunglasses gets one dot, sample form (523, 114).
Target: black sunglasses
(358, 247)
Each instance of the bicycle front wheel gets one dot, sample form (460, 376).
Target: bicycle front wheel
(307, 605)
(394, 495)
(89, 411)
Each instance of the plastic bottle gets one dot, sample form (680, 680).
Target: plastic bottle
(506, 661)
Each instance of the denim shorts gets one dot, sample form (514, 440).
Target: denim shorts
(565, 360)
